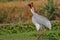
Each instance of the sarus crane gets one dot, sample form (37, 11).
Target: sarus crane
(38, 20)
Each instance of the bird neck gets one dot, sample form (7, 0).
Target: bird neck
(32, 10)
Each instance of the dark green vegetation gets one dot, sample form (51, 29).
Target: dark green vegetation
(50, 9)
(28, 32)
(16, 28)
(3, 16)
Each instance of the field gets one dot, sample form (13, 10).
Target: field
(16, 24)
(28, 32)
(19, 36)
(30, 36)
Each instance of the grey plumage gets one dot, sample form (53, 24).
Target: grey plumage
(39, 20)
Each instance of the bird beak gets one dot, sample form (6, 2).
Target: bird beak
(26, 4)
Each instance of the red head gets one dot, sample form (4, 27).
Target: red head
(30, 4)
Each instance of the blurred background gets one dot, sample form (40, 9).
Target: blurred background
(15, 19)
(12, 11)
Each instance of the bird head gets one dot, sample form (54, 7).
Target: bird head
(30, 4)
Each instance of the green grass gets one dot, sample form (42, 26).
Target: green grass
(29, 36)
(19, 36)
(28, 32)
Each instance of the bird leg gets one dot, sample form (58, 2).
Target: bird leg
(44, 30)
(38, 35)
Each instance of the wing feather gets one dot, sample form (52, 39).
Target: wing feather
(42, 20)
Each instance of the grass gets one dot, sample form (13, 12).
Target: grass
(26, 36)
(19, 36)
(28, 32)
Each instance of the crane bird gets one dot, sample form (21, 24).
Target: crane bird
(38, 20)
